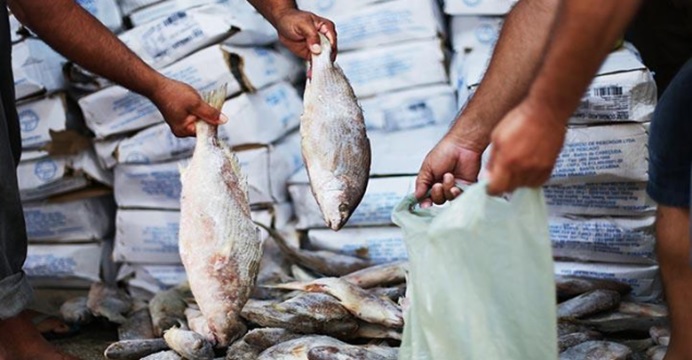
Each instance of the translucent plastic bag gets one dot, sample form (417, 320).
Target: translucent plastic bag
(481, 283)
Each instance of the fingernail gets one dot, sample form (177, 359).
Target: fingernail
(315, 48)
(223, 118)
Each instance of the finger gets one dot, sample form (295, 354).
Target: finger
(329, 30)
(426, 203)
(500, 179)
(422, 185)
(447, 186)
(312, 38)
(437, 194)
(190, 130)
(207, 113)
(455, 192)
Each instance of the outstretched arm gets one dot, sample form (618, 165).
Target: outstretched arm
(73, 32)
(516, 59)
(528, 140)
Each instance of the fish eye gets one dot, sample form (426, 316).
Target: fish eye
(343, 207)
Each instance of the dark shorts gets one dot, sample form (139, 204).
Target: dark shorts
(670, 143)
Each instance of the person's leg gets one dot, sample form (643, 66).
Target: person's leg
(670, 162)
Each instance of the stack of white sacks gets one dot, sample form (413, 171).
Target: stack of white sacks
(205, 44)
(601, 220)
(394, 56)
(68, 210)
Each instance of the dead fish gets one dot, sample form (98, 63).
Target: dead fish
(134, 349)
(322, 262)
(110, 302)
(167, 309)
(258, 340)
(570, 286)
(298, 348)
(596, 350)
(388, 352)
(359, 302)
(373, 331)
(137, 326)
(617, 321)
(305, 314)
(379, 275)
(567, 327)
(300, 274)
(565, 342)
(391, 293)
(342, 353)
(643, 309)
(164, 355)
(197, 323)
(588, 303)
(636, 345)
(220, 246)
(660, 334)
(75, 311)
(189, 344)
(334, 144)
(657, 352)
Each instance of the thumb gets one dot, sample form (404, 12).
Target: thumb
(423, 183)
(311, 36)
(209, 114)
(499, 178)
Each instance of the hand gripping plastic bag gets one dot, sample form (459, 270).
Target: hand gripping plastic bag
(480, 282)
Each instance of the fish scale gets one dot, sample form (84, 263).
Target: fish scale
(220, 246)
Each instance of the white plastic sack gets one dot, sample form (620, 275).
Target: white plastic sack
(481, 284)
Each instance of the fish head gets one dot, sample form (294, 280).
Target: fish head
(336, 209)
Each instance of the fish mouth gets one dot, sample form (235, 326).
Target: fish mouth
(337, 223)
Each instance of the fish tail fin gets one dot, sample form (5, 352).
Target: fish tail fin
(324, 59)
(215, 98)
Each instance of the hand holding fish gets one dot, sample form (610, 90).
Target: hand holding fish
(181, 107)
(299, 32)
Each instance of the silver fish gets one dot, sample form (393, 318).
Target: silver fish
(570, 286)
(565, 342)
(392, 293)
(628, 316)
(359, 302)
(297, 349)
(373, 331)
(636, 345)
(322, 262)
(167, 309)
(197, 323)
(567, 327)
(301, 274)
(389, 353)
(306, 314)
(379, 275)
(164, 355)
(588, 303)
(643, 309)
(334, 144)
(220, 246)
(342, 353)
(660, 334)
(137, 326)
(134, 349)
(258, 340)
(596, 350)
(657, 352)
(189, 344)
(108, 301)
(75, 311)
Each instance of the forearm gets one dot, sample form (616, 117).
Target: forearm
(272, 9)
(80, 37)
(584, 34)
(516, 59)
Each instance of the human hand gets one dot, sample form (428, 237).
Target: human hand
(298, 31)
(182, 106)
(447, 161)
(525, 147)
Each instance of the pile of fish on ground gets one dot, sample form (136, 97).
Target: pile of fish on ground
(322, 305)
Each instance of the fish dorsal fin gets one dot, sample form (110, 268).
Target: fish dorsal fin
(242, 179)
